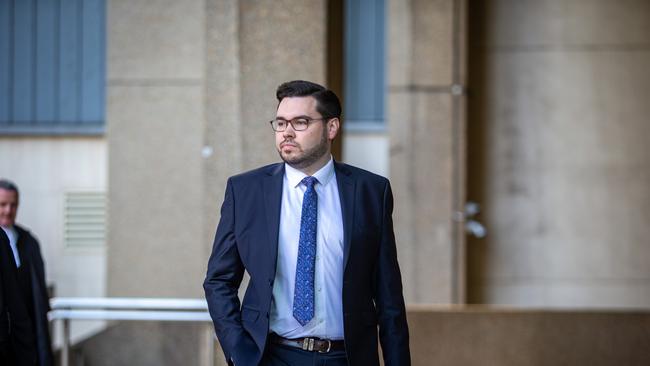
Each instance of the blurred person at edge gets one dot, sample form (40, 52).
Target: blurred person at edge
(24, 338)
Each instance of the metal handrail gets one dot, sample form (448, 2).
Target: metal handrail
(65, 309)
(149, 315)
(127, 303)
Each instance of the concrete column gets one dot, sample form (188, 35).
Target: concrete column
(251, 48)
(155, 119)
(279, 41)
(191, 86)
(559, 152)
(426, 145)
(223, 133)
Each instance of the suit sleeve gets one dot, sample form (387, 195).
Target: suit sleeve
(393, 328)
(4, 320)
(39, 267)
(221, 285)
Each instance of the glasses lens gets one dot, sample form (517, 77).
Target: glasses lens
(279, 124)
(300, 124)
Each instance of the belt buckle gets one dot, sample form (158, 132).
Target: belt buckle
(308, 344)
(329, 346)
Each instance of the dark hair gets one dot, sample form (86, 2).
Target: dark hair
(328, 104)
(8, 185)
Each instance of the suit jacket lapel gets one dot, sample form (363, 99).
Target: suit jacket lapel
(272, 189)
(346, 185)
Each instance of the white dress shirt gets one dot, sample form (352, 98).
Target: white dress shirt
(328, 280)
(13, 242)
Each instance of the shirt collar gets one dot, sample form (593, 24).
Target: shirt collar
(324, 174)
(10, 231)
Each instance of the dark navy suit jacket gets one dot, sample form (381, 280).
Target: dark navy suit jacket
(247, 239)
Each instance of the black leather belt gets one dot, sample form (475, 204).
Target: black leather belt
(308, 344)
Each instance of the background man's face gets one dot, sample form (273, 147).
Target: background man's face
(8, 207)
(301, 148)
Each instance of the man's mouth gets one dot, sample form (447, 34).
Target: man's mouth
(288, 144)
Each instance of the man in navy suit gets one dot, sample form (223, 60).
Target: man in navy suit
(316, 238)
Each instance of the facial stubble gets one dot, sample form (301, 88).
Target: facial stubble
(308, 157)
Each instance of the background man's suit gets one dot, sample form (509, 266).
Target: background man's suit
(24, 333)
(247, 239)
(6, 272)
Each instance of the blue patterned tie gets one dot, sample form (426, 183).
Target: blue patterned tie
(303, 295)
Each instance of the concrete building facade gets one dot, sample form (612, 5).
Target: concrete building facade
(536, 110)
(558, 154)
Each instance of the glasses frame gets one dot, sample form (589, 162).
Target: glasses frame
(291, 121)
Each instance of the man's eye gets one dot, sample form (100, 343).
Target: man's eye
(280, 123)
(301, 122)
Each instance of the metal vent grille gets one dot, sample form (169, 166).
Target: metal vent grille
(85, 219)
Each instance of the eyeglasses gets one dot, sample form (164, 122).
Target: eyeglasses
(298, 124)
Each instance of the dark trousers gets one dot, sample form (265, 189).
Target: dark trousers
(280, 355)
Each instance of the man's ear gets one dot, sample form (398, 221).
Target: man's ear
(333, 126)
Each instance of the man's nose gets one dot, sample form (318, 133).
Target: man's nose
(289, 131)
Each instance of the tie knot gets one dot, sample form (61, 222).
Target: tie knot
(309, 181)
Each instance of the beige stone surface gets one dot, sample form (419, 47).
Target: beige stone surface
(422, 187)
(279, 41)
(155, 140)
(192, 87)
(155, 39)
(621, 23)
(144, 343)
(575, 23)
(223, 132)
(578, 293)
(504, 337)
(425, 148)
(569, 147)
(438, 336)
(399, 48)
(523, 22)
(576, 103)
(432, 35)
(420, 36)
(560, 159)
(399, 115)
